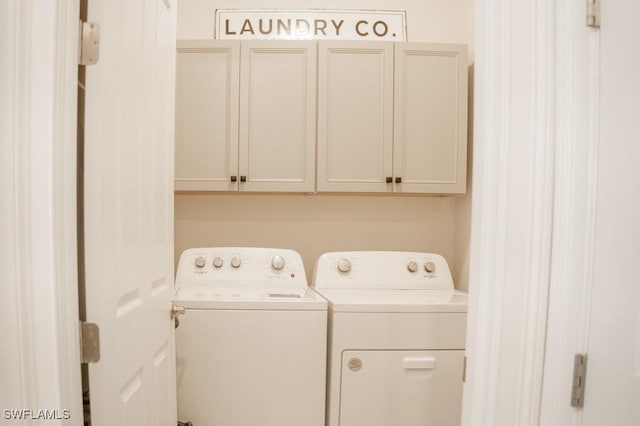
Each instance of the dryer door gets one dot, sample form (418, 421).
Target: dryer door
(394, 387)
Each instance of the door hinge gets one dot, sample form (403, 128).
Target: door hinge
(89, 342)
(89, 43)
(579, 377)
(176, 311)
(593, 13)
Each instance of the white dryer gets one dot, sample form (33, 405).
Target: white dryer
(251, 345)
(396, 339)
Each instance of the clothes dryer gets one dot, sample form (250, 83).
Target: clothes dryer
(251, 346)
(396, 339)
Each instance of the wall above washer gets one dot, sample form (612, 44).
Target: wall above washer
(319, 223)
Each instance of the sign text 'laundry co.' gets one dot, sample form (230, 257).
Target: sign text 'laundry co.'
(276, 24)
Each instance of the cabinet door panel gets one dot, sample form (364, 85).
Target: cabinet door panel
(206, 115)
(355, 116)
(408, 388)
(430, 131)
(278, 115)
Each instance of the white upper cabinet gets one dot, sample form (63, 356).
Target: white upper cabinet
(278, 115)
(430, 118)
(207, 92)
(388, 117)
(245, 116)
(392, 117)
(355, 116)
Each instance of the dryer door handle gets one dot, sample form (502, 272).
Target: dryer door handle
(419, 362)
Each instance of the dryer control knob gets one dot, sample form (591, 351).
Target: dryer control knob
(277, 262)
(430, 267)
(200, 262)
(236, 262)
(344, 265)
(412, 266)
(218, 262)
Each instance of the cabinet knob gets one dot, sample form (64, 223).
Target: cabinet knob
(389, 179)
(234, 178)
(243, 178)
(398, 180)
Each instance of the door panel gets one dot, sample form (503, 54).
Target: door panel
(408, 388)
(613, 376)
(128, 210)
(207, 94)
(355, 116)
(277, 115)
(430, 118)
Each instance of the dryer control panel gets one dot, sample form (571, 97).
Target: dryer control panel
(239, 266)
(382, 270)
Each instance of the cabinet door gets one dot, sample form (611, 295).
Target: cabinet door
(206, 115)
(408, 388)
(355, 116)
(430, 122)
(277, 115)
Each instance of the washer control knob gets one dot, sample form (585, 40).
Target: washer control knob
(218, 262)
(200, 262)
(277, 262)
(412, 266)
(344, 265)
(236, 262)
(430, 267)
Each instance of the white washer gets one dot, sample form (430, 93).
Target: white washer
(251, 346)
(396, 339)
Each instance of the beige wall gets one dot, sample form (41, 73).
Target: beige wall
(314, 224)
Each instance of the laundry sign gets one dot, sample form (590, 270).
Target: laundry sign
(282, 24)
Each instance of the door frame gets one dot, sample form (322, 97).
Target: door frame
(522, 206)
(40, 251)
(534, 176)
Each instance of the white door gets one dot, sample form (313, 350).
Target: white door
(128, 211)
(613, 377)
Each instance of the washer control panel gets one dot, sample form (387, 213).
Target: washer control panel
(382, 269)
(248, 265)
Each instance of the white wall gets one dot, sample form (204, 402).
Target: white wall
(313, 224)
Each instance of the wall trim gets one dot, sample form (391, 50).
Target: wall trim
(65, 207)
(512, 216)
(39, 136)
(533, 218)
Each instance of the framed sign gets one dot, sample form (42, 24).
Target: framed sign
(311, 24)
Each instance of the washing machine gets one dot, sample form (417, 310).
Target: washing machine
(251, 344)
(396, 339)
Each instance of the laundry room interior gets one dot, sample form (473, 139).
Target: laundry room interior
(314, 223)
(104, 324)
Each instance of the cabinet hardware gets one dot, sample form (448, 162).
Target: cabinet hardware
(243, 178)
(234, 178)
(389, 179)
(398, 180)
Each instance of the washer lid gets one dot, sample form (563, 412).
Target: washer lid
(384, 300)
(249, 298)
